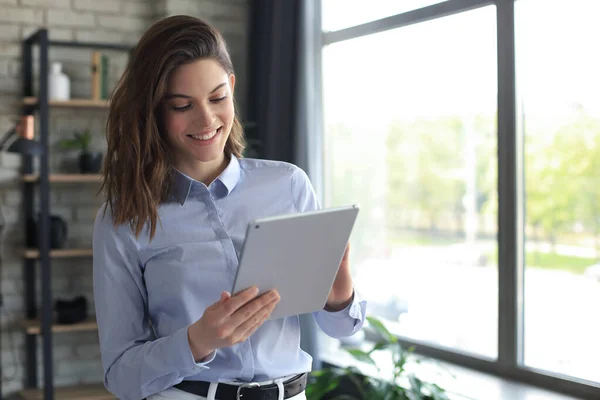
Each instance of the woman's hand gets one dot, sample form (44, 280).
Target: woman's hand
(342, 290)
(229, 321)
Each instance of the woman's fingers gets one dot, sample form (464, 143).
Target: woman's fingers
(231, 320)
(225, 296)
(234, 303)
(249, 326)
(248, 310)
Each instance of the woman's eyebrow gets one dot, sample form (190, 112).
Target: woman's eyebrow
(218, 87)
(177, 95)
(185, 96)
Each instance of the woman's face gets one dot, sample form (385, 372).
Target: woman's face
(198, 115)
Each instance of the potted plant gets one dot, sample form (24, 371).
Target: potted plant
(349, 384)
(90, 162)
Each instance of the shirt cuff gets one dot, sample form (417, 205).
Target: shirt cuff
(344, 311)
(185, 352)
(344, 322)
(356, 309)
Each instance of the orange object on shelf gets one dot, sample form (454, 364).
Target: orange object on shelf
(25, 127)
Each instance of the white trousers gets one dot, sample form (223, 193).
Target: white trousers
(176, 394)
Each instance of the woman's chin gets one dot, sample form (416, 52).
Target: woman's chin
(213, 156)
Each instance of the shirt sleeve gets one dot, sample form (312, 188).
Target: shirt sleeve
(136, 364)
(346, 322)
(336, 324)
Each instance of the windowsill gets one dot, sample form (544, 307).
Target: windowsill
(460, 383)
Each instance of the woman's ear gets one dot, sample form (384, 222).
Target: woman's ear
(232, 82)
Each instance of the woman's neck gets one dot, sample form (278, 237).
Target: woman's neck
(205, 171)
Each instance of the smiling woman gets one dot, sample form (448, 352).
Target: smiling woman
(198, 116)
(179, 196)
(188, 88)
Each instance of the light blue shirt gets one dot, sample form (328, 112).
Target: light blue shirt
(172, 279)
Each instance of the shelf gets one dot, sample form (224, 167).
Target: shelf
(65, 178)
(88, 392)
(33, 327)
(73, 103)
(33, 195)
(60, 253)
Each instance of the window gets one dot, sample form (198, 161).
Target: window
(357, 12)
(410, 135)
(427, 112)
(559, 89)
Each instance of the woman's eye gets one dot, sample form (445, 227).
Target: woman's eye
(182, 108)
(220, 99)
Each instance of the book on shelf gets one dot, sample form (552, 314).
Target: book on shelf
(100, 75)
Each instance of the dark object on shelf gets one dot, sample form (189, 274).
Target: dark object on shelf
(58, 232)
(24, 144)
(71, 311)
(90, 162)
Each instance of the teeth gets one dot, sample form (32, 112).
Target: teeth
(205, 137)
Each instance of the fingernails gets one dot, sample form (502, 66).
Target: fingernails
(254, 290)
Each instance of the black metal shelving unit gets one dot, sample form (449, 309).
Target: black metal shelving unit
(43, 260)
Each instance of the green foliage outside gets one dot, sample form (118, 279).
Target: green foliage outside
(420, 170)
(535, 259)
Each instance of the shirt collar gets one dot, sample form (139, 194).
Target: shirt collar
(231, 175)
(182, 184)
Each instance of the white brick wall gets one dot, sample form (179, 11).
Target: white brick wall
(9, 32)
(47, 3)
(140, 9)
(127, 24)
(100, 7)
(70, 18)
(98, 35)
(21, 15)
(76, 355)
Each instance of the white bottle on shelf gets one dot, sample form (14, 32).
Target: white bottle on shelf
(59, 86)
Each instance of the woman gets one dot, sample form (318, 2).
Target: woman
(179, 197)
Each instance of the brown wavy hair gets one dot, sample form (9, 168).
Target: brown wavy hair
(138, 165)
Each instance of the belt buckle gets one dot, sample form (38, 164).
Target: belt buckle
(239, 393)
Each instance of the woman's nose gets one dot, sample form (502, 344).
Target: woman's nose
(205, 118)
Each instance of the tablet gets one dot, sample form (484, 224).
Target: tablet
(298, 255)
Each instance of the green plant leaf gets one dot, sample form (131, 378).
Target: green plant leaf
(378, 326)
(390, 391)
(361, 385)
(400, 358)
(415, 394)
(415, 383)
(361, 356)
(368, 388)
(322, 382)
(69, 144)
(344, 397)
(435, 392)
(381, 345)
(79, 141)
